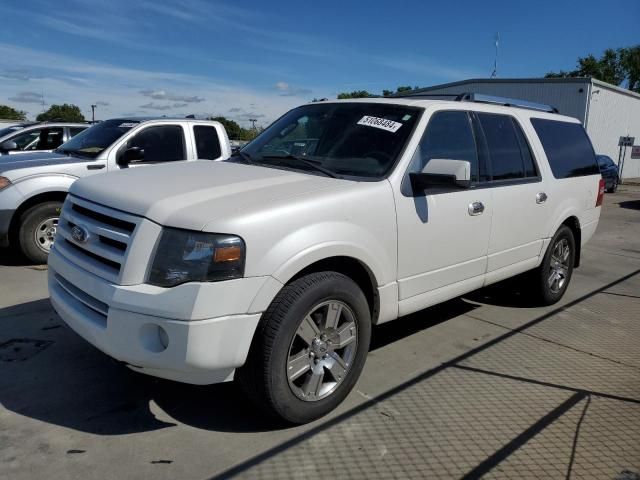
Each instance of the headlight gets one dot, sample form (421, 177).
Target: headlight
(186, 256)
(4, 182)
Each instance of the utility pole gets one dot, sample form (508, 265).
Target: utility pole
(93, 113)
(253, 122)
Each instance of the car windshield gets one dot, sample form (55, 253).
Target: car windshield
(336, 139)
(604, 161)
(95, 139)
(8, 130)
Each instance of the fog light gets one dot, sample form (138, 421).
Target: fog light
(154, 338)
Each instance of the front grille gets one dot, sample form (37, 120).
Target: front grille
(104, 240)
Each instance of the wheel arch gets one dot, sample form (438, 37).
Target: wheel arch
(574, 225)
(353, 268)
(53, 196)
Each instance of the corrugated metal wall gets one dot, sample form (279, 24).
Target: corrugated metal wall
(566, 97)
(613, 115)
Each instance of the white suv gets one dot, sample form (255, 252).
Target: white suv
(273, 266)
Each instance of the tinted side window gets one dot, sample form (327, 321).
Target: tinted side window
(50, 138)
(567, 147)
(164, 143)
(448, 136)
(207, 143)
(73, 131)
(504, 146)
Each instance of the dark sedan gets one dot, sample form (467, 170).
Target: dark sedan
(609, 171)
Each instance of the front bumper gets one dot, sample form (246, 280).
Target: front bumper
(5, 223)
(152, 329)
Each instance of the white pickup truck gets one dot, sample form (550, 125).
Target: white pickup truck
(34, 185)
(272, 267)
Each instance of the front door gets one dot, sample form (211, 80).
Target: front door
(443, 235)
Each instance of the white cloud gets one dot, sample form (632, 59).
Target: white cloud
(27, 97)
(163, 95)
(65, 79)
(287, 90)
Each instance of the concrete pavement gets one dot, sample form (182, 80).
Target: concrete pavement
(486, 385)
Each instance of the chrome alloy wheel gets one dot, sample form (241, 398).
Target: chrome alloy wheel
(45, 233)
(322, 350)
(559, 266)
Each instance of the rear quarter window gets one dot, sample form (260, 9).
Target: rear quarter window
(567, 147)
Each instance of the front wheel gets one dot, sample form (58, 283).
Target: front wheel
(310, 348)
(37, 230)
(552, 277)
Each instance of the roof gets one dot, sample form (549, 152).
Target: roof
(426, 102)
(564, 80)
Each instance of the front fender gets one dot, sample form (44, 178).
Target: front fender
(29, 187)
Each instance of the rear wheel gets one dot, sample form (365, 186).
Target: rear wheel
(310, 348)
(552, 278)
(37, 230)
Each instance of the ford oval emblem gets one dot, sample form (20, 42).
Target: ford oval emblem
(79, 233)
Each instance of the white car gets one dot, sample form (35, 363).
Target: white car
(272, 267)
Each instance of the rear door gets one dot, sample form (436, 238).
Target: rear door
(519, 196)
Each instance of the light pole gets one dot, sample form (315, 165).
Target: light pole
(93, 113)
(253, 122)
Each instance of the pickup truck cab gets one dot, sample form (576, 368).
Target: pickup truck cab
(37, 137)
(273, 267)
(34, 185)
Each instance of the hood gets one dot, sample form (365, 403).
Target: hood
(10, 163)
(191, 194)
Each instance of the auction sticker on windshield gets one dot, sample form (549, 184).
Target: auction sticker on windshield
(383, 123)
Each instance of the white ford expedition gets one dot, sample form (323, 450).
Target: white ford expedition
(273, 266)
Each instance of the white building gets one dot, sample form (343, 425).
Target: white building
(607, 112)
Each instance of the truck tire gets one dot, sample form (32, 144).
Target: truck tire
(309, 349)
(37, 230)
(552, 277)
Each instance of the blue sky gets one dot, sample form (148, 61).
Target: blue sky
(256, 59)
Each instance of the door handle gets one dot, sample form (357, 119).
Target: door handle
(541, 197)
(476, 208)
(95, 167)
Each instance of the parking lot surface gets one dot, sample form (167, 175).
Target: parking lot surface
(485, 385)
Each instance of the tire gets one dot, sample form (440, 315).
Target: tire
(37, 230)
(614, 187)
(290, 390)
(549, 291)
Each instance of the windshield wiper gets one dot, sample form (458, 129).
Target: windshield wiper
(69, 153)
(245, 156)
(308, 163)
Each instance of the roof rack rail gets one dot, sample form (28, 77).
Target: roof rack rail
(480, 98)
(438, 96)
(507, 102)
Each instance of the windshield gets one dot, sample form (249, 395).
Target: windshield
(604, 161)
(344, 139)
(8, 130)
(94, 140)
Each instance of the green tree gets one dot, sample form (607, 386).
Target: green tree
(9, 113)
(618, 67)
(630, 60)
(354, 94)
(233, 129)
(64, 113)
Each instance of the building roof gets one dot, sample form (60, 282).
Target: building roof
(564, 80)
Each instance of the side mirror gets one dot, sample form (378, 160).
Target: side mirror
(9, 146)
(442, 173)
(131, 155)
